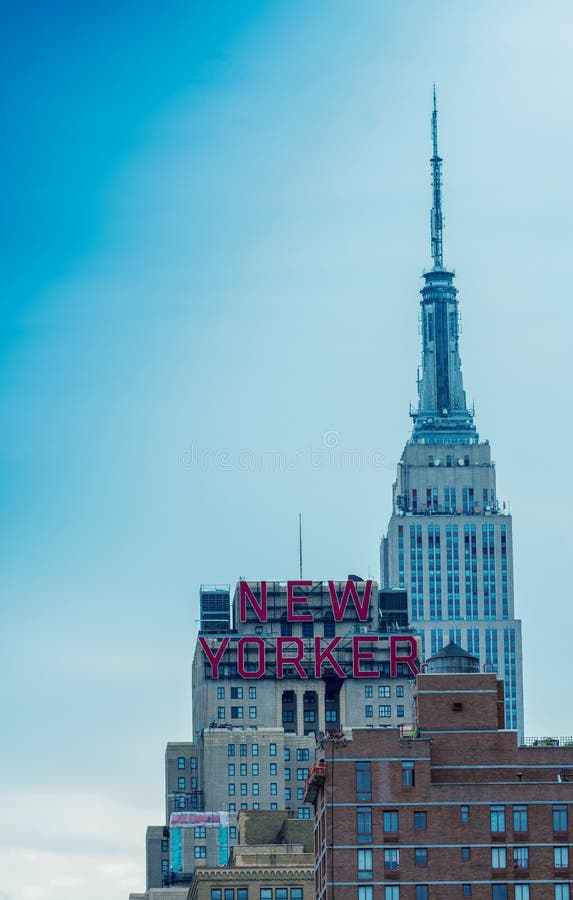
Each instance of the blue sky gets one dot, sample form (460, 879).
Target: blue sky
(214, 218)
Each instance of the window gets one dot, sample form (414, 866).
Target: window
(520, 818)
(230, 749)
(302, 753)
(266, 894)
(383, 690)
(421, 856)
(274, 805)
(330, 715)
(466, 890)
(561, 892)
(254, 769)
(465, 852)
(236, 693)
(181, 783)
(421, 892)
(309, 715)
(243, 770)
(365, 892)
(252, 712)
(368, 691)
(200, 831)
(254, 749)
(499, 892)
(391, 892)
(231, 790)
(301, 774)
(368, 710)
(220, 712)
(220, 693)
(561, 857)
(286, 753)
(193, 762)
(520, 857)
(272, 749)
(363, 781)
(180, 801)
(233, 832)
(232, 807)
(274, 789)
(200, 852)
(165, 866)
(364, 824)
(303, 812)
(521, 892)
(390, 821)
(384, 712)
(464, 814)
(400, 711)
(400, 690)
(273, 769)
(498, 860)
(242, 893)
(365, 863)
(231, 769)
(216, 893)
(391, 858)
(287, 774)
(296, 893)
(255, 788)
(244, 805)
(242, 749)
(194, 783)
(497, 819)
(229, 894)
(252, 693)
(244, 789)
(559, 817)
(287, 793)
(165, 845)
(408, 773)
(180, 762)
(236, 712)
(420, 820)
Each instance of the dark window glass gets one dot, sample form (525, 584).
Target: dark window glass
(408, 773)
(390, 821)
(363, 781)
(420, 819)
(364, 824)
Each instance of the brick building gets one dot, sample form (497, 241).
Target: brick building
(453, 806)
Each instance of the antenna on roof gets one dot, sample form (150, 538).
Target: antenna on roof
(300, 544)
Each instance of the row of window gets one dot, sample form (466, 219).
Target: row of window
(303, 812)
(390, 817)
(498, 892)
(193, 783)
(182, 762)
(237, 693)
(266, 893)
(237, 712)
(302, 753)
(301, 775)
(384, 711)
(498, 858)
(384, 690)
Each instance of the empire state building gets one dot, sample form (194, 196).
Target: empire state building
(449, 540)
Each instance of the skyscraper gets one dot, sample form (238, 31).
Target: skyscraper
(449, 540)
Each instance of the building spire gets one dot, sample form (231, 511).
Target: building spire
(436, 222)
(442, 416)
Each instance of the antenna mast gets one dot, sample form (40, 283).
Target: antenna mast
(436, 221)
(300, 544)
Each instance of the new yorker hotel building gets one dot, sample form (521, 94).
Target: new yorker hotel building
(449, 540)
(281, 664)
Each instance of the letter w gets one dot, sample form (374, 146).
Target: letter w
(339, 606)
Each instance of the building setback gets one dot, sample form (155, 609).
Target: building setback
(449, 539)
(453, 808)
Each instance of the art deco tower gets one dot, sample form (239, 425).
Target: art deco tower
(449, 541)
